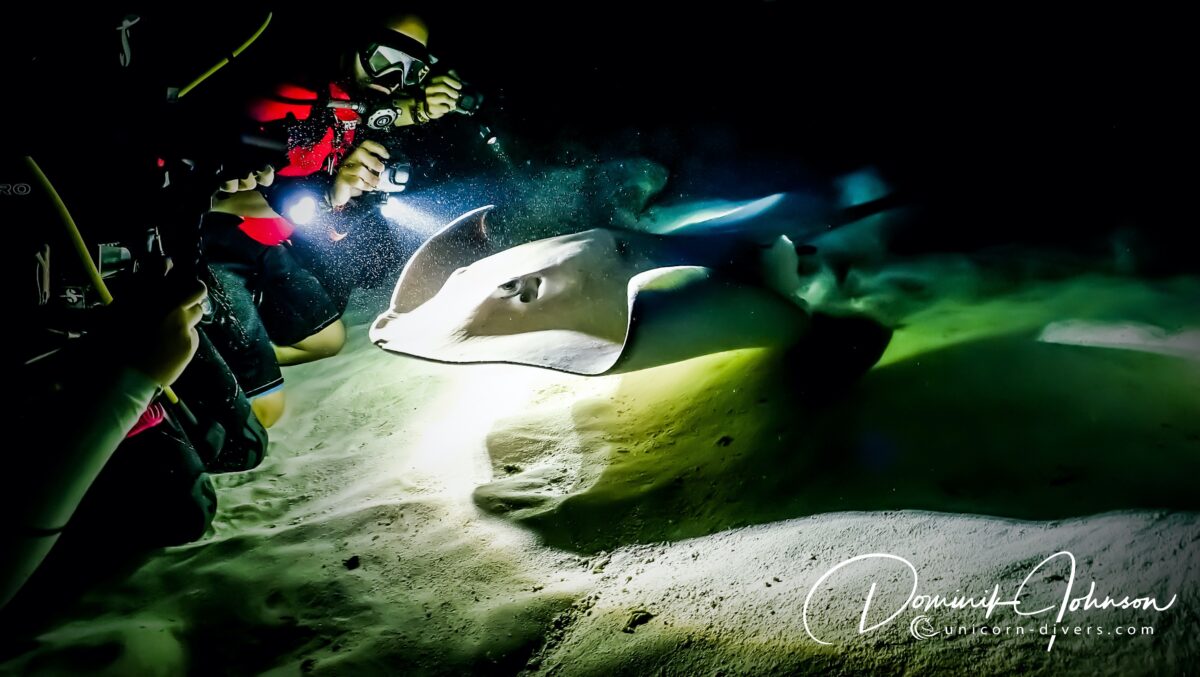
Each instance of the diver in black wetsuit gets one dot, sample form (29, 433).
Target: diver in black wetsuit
(110, 463)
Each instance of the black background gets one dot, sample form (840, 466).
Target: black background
(1004, 124)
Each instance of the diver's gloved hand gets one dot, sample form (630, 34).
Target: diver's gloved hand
(241, 196)
(441, 96)
(162, 346)
(151, 324)
(263, 177)
(358, 173)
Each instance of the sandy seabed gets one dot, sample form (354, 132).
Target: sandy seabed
(422, 518)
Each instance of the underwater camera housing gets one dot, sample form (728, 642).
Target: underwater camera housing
(397, 173)
(394, 177)
(144, 263)
(470, 100)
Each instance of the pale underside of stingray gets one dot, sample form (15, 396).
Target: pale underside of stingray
(589, 303)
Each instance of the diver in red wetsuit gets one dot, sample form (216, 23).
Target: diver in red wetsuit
(291, 287)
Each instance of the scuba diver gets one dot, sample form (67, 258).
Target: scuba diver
(290, 280)
(116, 319)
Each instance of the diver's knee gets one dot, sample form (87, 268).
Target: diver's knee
(268, 409)
(330, 340)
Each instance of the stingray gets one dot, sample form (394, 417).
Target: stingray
(594, 302)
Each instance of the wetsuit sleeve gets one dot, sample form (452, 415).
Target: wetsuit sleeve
(97, 411)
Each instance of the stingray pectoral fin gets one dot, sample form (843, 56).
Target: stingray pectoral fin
(682, 312)
(1141, 337)
(459, 243)
(673, 278)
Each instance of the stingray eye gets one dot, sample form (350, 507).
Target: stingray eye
(510, 288)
